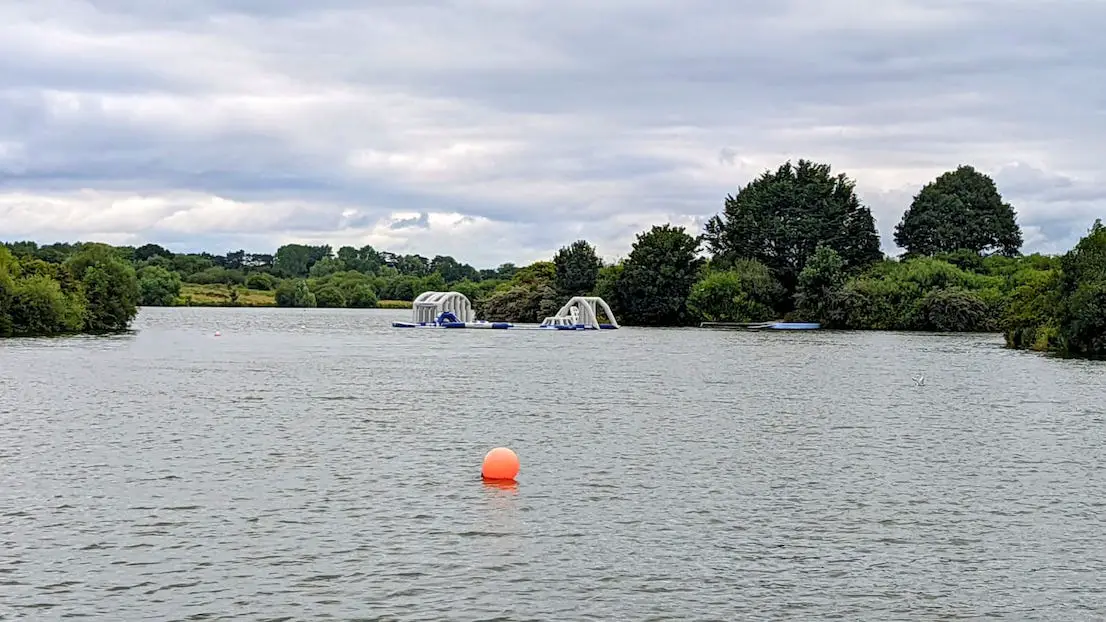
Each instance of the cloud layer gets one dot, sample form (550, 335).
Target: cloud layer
(500, 130)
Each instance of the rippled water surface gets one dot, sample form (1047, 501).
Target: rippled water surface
(320, 465)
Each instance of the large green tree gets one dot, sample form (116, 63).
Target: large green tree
(780, 218)
(658, 276)
(157, 287)
(960, 210)
(295, 260)
(577, 269)
(1083, 294)
(110, 287)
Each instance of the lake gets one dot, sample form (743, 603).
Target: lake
(321, 465)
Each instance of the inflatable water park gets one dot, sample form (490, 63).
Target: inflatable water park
(454, 310)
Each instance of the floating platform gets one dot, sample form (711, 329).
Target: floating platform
(454, 310)
(448, 324)
(762, 325)
(498, 325)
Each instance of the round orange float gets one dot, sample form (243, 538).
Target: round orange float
(500, 464)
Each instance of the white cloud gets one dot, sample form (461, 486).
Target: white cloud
(517, 127)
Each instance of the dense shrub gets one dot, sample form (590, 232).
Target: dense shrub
(747, 292)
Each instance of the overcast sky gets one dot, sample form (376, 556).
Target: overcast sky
(500, 130)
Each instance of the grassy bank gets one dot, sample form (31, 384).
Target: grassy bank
(222, 296)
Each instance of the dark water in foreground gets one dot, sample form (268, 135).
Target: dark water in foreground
(330, 472)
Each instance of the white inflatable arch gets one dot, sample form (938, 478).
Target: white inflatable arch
(582, 310)
(429, 305)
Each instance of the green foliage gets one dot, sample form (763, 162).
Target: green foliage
(747, 292)
(576, 269)
(329, 296)
(216, 275)
(952, 310)
(1029, 320)
(296, 260)
(361, 296)
(820, 282)
(1082, 317)
(365, 260)
(521, 303)
(39, 307)
(261, 281)
(326, 266)
(111, 292)
(7, 293)
(110, 288)
(918, 294)
(294, 293)
(537, 273)
(781, 218)
(157, 287)
(658, 276)
(960, 210)
(606, 285)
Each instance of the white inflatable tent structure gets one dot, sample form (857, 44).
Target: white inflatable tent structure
(454, 310)
(581, 312)
(429, 306)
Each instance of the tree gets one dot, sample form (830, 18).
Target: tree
(362, 296)
(365, 260)
(294, 293)
(960, 210)
(295, 260)
(819, 283)
(657, 277)
(606, 285)
(147, 251)
(952, 310)
(780, 218)
(331, 297)
(110, 288)
(747, 292)
(521, 303)
(39, 307)
(261, 281)
(576, 269)
(9, 269)
(452, 270)
(326, 266)
(157, 287)
(1082, 320)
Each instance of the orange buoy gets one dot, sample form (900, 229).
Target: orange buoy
(500, 464)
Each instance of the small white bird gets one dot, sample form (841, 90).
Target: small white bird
(919, 380)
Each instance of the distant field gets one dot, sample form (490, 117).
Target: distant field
(219, 296)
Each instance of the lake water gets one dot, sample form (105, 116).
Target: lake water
(320, 465)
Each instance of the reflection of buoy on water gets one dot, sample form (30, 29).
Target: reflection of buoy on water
(500, 464)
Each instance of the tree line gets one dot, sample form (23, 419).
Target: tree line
(795, 243)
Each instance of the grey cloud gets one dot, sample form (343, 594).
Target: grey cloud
(422, 221)
(660, 107)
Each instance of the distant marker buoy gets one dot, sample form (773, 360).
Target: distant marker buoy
(500, 464)
(217, 333)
